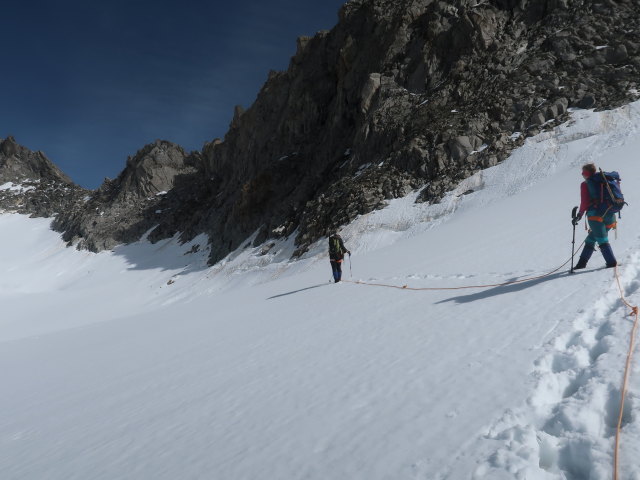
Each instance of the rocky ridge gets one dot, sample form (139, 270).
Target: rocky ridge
(31, 184)
(400, 95)
(123, 209)
(406, 95)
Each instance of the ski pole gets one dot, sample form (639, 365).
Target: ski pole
(350, 271)
(573, 242)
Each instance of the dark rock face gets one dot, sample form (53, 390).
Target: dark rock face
(400, 95)
(122, 210)
(32, 183)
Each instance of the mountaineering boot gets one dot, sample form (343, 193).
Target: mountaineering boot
(607, 253)
(585, 256)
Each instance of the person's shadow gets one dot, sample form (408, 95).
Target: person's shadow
(298, 291)
(516, 287)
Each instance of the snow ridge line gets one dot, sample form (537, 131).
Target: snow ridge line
(625, 382)
(512, 282)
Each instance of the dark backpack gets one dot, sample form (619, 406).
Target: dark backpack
(335, 249)
(608, 195)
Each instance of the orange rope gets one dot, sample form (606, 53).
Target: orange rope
(627, 369)
(522, 280)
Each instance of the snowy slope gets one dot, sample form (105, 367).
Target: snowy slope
(144, 363)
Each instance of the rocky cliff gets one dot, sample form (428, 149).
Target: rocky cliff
(400, 95)
(403, 95)
(31, 184)
(123, 209)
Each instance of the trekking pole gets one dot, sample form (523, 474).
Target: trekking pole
(350, 271)
(574, 215)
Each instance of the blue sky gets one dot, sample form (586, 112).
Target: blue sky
(90, 83)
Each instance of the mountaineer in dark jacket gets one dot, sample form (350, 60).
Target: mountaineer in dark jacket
(336, 255)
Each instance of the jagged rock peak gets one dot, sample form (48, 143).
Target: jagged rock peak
(40, 189)
(153, 169)
(18, 163)
(123, 209)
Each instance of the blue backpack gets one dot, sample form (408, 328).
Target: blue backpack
(608, 195)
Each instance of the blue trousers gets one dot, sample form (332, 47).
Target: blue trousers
(336, 267)
(599, 228)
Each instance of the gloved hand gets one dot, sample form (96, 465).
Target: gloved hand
(576, 220)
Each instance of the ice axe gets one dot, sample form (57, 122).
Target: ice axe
(574, 222)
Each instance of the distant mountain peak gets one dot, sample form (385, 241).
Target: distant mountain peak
(18, 163)
(123, 209)
(44, 190)
(153, 169)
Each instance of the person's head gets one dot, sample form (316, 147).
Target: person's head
(588, 169)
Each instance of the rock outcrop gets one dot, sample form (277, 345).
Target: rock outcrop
(31, 184)
(403, 95)
(123, 209)
(18, 163)
(400, 95)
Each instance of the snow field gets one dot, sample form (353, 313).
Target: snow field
(568, 423)
(259, 368)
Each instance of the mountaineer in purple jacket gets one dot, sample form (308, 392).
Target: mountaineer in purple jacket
(599, 217)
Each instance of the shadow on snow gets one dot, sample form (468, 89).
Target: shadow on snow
(298, 291)
(495, 291)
